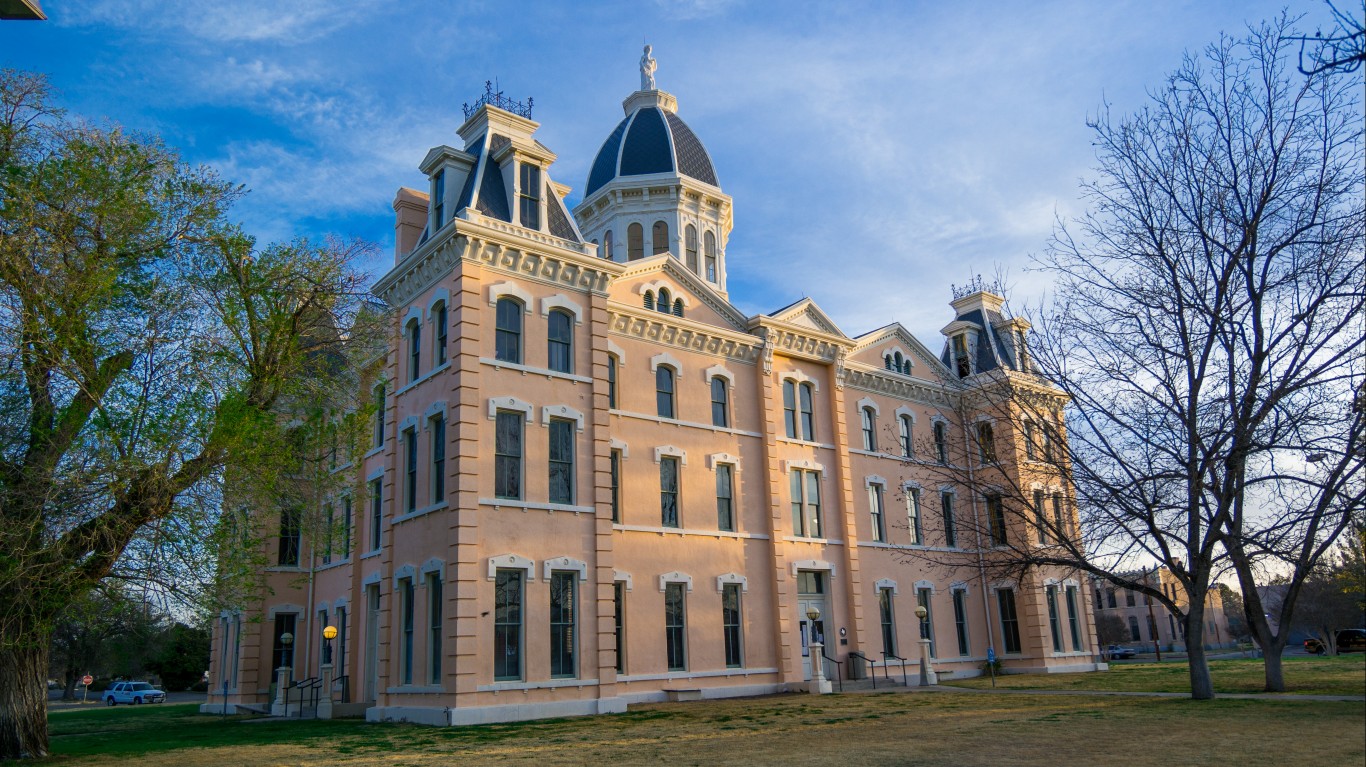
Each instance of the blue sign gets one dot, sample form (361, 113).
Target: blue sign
(991, 655)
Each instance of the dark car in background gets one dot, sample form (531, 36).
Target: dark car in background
(1120, 652)
(1348, 640)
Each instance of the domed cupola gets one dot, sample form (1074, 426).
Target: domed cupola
(652, 189)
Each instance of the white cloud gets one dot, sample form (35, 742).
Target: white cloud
(292, 22)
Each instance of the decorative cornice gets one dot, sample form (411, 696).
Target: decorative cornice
(800, 342)
(900, 387)
(662, 330)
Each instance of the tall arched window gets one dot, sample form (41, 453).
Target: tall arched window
(790, 409)
(665, 301)
(869, 429)
(635, 242)
(414, 349)
(720, 402)
(690, 247)
(664, 392)
(508, 335)
(659, 238)
(607, 245)
(439, 318)
(907, 448)
(807, 396)
(612, 381)
(709, 252)
(986, 443)
(560, 342)
(941, 442)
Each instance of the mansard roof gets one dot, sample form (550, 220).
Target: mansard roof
(651, 139)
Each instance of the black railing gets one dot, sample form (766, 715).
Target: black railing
(887, 658)
(867, 663)
(497, 99)
(309, 690)
(839, 677)
(345, 680)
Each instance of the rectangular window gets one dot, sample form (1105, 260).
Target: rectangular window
(346, 528)
(808, 412)
(329, 528)
(941, 443)
(1128, 598)
(438, 199)
(668, 491)
(907, 443)
(414, 350)
(805, 487)
(1051, 593)
(405, 591)
(619, 619)
(731, 628)
(434, 608)
(869, 429)
(996, 519)
(561, 461)
(529, 195)
(876, 510)
(507, 454)
(950, 533)
(439, 459)
(664, 392)
(913, 523)
(1031, 452)
(376, 512)
(790, 409)
(341, 639)
(884, 603)
(612, 381)
(563, 615)
(960, 620)
(507, 625)
(410, 470)
(1010, 624)
(922, 597)
(675, 627)
(289, 537)
(379, 415)
(283, 654)
(725, 510)
(1040, 520)
(615, 466)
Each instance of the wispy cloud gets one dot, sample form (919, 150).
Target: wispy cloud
(294, 22)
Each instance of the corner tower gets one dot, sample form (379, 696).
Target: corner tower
(652, 189)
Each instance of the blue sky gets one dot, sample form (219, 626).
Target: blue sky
(876, 151)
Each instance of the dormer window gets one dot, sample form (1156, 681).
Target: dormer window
(962, 363)
(895, 362)
(438, 199)
(529, 195)
(1021, 350)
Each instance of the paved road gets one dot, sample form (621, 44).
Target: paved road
(55, 702)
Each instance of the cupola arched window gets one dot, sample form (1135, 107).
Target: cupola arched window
(607, 245)
(665, 302)
(690, 247)
(635, 242)
(962, 361)
(659, 238)
(709, 252)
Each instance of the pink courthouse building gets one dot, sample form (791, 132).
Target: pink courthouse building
(594, 482)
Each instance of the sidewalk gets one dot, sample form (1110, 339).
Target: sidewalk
(1225, 696)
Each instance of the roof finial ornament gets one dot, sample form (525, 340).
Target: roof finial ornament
(647, 70)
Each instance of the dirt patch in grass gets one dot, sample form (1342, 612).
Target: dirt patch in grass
(1342, 675)
(919, 728)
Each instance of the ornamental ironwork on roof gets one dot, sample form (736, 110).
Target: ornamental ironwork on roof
(976, 285)
(497, 99)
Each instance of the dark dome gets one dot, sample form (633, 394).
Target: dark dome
(650, 140)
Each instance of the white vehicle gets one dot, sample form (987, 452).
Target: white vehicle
(133, 692)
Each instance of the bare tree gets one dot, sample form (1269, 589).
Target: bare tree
(1343, 48)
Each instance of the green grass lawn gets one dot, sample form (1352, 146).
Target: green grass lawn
(963, 729)
(1304, 675)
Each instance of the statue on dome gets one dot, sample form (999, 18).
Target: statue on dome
(647, 70)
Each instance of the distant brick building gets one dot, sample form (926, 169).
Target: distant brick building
(1147, 620)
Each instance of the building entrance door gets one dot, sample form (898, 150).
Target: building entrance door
(371, 642)
(811, 592)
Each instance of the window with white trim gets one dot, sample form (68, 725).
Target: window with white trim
(410, 469)
(438, 426)
(1054, 630)
(563, 624)
(668, 491)
(434, 609)
(907, 444)
(561, 463)
(805, 487)
(922, 597)
(560, 341)
(914, 520)
(888, 619)
(508, 594)
(950, 524)
(1010, 623)
(941, 442)
(725, 497)
(720, 402)
(869, 429)
(732, 625)
(665, 402)
(440, 318)
(414, 349)
(507, 454)
(508, 330)
(877, 513)
(960, 620)
(675, 626)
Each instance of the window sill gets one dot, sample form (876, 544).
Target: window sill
(682, 531)
(688, 424)
(805, 443)
(673, 675)
(804, 539)
(549, 684)
(374, 451)
(527, 369)
(332, 565)
(284, 569)
(419, 512)
(423, 378)
(415, 689)
(510, 503)
(368, 555)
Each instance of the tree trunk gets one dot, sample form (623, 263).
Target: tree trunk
(69, 684)
(1202, 685)
(23, 697)
(1275, 674)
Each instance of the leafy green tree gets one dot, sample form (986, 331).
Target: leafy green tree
(183, 657)
(146, 344)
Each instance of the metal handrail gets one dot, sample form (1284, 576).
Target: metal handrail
(905, 681)
(872, 675)
(345, 680)
(839, 677)
(313, 684)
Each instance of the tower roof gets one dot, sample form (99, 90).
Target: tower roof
(650, 139)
